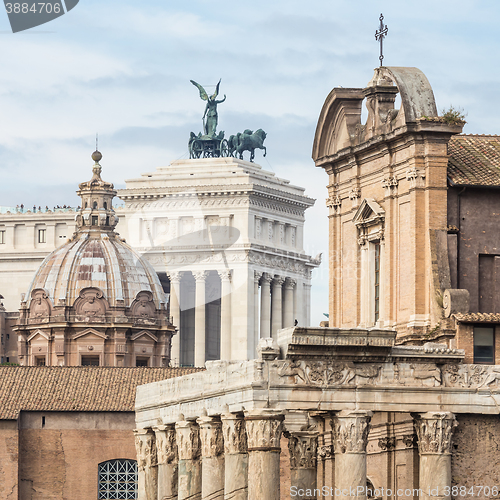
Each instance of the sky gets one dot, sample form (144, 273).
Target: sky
(122, 69)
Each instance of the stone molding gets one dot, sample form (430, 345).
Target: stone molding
(166, 445)
(188, 440)
(415, 177)
(326, 452)
(264, 430)
(409, 440)
(212, 444)
(234, 432)
(434, 431)
(303, 448)
(350, 431)
(387, 443)
(145, 446)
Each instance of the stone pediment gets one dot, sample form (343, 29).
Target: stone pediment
(39, 333)
(143, 333)
(369, 213)
(90, 332)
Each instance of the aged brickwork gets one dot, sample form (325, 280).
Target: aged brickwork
(9, 456)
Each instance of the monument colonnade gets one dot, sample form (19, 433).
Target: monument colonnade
(237, 456)
(275, 308)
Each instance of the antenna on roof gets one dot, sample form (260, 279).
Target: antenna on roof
(380, 34)
(96, 142)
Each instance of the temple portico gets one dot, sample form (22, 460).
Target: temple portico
(334, 395)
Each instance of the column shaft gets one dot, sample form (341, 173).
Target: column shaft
(264, 430)
(288, 318)
(225, 315)
(147, 471)
(303, 446)
(256, 305)
(212, 457)
(235, 458)
(265, 309)
(350, 428)
(166, 450)
(189, 469)
(434, 431)
(175, 312)
(276, 305)
(199, 319)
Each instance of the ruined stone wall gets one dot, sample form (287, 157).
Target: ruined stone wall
(476, 452)
(59, 457)
(9, 456)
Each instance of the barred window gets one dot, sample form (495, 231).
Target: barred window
(118, 479)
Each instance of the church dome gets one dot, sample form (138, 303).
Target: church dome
(96, 256)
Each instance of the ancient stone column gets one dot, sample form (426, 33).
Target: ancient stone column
(288, 312)
(265, 306)
(350, 437)
(434, 431)
(303, 447)
(212, 458)
(235, 457)
(189, 468)
(166, 452)
(225, 315)
(175, 311)
(256, 276)
(276, 305)
(199, 318)
(147, 471)
(264, 428)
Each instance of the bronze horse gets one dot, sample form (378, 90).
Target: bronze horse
(247, 141)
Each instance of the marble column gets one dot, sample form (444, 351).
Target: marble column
(265, 306)
(175, 312)
(189, 468)
(147, 471)
(199, 318)
(303, 446)
(288, 312)
(264, 428)
(166, 452)
(256, 276)
(212, 459)
(434, 431)
(276, 305)
(225, 315)
(350, 437)
(235, 457)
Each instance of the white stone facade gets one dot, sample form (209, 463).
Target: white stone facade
(229, 235)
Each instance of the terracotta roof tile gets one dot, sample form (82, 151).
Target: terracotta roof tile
(478, 317)
(78, 388)
(474, 160)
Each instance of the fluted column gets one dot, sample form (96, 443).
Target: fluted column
(147, 471)
(256, 277)
(175, 311)
(303, 446)
(235, 457)
(265, 307)
(212, 459)
(225, 315)
(288, 312)
(189, 469)
(166, 452)
(350, 434)
(434, 431)
(264, 428)
(199, 318)
(276, 305)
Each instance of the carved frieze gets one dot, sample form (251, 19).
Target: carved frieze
(434, 431)
(303, 448)
(188, 440)
(264, 432)
(212, 444)
(350, 431)
(234, 433)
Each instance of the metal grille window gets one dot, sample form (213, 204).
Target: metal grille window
(118, 480)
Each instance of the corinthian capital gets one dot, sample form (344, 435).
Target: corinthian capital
(211, 437)
(188, 440)
(350, 431)
(434, 431)
(235, 437)
(303, 447)
(145, 447)
(166, 446)
(264, 430)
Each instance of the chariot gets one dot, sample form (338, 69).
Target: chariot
(204, 146)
